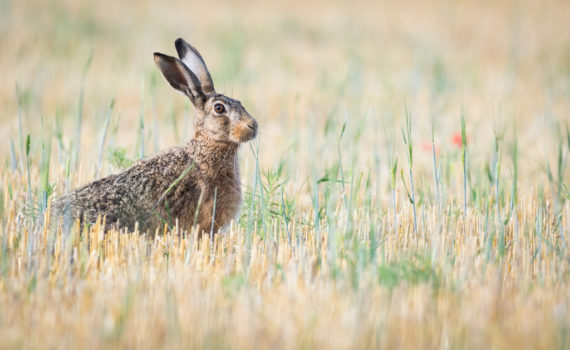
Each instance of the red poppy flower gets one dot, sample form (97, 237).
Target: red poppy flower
(457, 140)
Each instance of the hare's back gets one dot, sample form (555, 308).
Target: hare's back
(127, 197)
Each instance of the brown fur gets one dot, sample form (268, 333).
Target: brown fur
(137, 194)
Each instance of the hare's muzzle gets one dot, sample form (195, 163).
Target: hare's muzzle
(243, 129)
(249, 130)
(252, 125)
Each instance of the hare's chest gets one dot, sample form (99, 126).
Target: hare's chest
(222, 201)
(228, 201)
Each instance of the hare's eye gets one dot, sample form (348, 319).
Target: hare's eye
(219, 108)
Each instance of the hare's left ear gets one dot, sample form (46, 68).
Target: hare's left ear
(194, 61)
(180, 78)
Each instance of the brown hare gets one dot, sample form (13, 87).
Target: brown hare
(192, 183)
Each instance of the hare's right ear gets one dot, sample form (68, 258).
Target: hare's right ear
(194, 61)
(180, 78)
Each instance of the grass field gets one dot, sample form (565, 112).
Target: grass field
(409, 187)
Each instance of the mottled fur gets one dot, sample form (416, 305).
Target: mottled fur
(136, 194)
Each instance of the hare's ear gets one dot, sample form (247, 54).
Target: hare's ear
(194, 61)
(180, 77)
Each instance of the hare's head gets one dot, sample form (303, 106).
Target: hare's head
(218, 117)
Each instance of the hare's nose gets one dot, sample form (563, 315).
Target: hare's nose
(252, 126)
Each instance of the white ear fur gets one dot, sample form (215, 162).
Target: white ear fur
(194, 61)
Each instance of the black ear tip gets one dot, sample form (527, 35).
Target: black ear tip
(158, 56)
(180, 45)
(162, 59)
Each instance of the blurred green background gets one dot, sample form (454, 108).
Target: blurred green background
(302, 68)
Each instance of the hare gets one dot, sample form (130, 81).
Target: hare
(192, 183)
